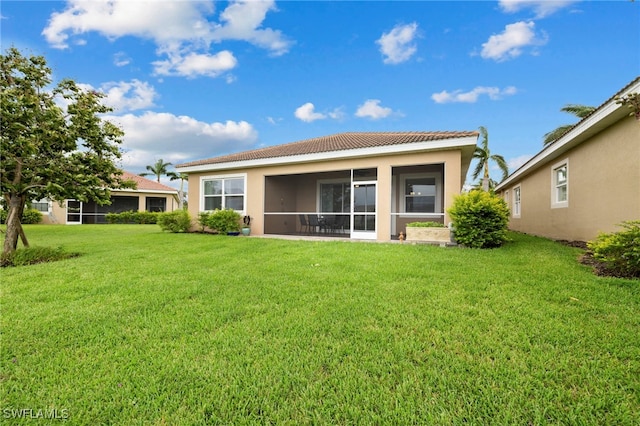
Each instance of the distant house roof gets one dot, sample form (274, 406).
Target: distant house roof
(602, 117)
(336, 143)
(144, 184)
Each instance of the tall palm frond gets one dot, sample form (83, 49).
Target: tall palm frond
(580, 111)
(484, 157)
(159, 169)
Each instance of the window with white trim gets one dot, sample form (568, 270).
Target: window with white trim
(516, 201)
(422, 193)
(560, 184)
(223, 192)
(41, 205)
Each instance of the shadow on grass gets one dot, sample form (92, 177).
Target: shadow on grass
(34, 255)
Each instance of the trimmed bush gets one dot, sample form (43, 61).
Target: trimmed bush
(224, 221)
(29, 216)
(176, 221)
(133, 217)
(619, 252)
(480, 219)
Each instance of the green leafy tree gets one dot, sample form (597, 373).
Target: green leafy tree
(159, 169)
(484, 157)
(47, 150)
(580, 111)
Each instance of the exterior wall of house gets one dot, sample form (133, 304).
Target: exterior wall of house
(294, 180)
(58, 212)
(603, 188)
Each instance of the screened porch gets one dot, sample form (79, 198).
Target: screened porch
(346, 203)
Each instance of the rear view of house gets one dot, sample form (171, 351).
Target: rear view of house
(148, 196)
(586, 182)
(357, 185)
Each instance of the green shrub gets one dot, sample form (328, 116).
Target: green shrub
(426, 225)
(176, 221)
(480, 219)
(32, 255)
(619, 251)
(29, 216)
(224, 221)
(203, 219)
(133, 217)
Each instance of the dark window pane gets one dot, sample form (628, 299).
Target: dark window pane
(235, 202)
(212, 203)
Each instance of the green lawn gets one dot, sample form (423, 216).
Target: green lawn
(153, 328)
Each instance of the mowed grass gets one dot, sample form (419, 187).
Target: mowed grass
(152, 328)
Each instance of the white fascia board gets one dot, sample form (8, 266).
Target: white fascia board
(558, 147)
(438, 145)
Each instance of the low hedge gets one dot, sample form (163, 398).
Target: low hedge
(175, 221)
(133, 217)
(425, 225)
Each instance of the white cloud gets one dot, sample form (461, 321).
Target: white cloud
(178, 138)
(121, 59)
(122, 96)
(511, 41)
(494, 93)
(307, 113)
(182, 30)
(242, 20)
(397, 45)
(542, 8)
(129, 96)
(337, 114)
(162, 21)
(371, 109)
(193, 64)
(515, 163)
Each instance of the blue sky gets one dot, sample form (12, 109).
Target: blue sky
(196, 79)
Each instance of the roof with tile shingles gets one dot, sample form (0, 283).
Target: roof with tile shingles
(334, 143)
(144, 184)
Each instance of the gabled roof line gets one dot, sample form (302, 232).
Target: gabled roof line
(146, 185)
(341, 145)
(604, 110)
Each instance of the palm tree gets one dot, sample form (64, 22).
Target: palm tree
(158, 170)
(483, 155)
(580, 111)
(182, 177)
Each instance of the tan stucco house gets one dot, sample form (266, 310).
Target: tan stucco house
(360, 185)
(149, 196)
(584, 183)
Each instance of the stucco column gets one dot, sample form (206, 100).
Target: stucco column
(452, 182)
(384, 203)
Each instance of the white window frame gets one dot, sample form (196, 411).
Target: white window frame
(402, 196)
(224, 177)
(516, 205)
(43, 201)
(555, 185)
